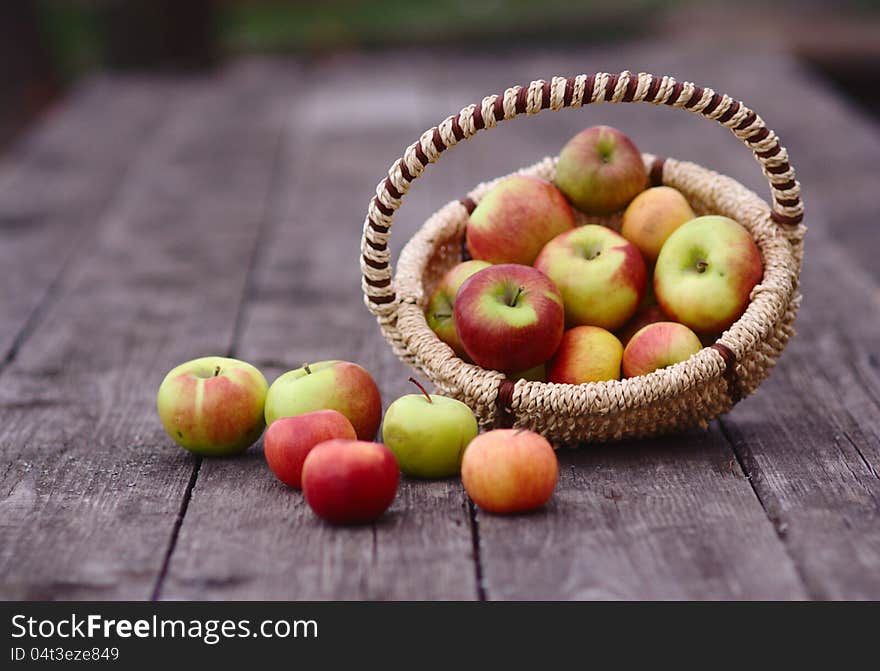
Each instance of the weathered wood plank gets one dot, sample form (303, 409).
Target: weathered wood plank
(90, 486)
(55, 182)
(663, 519)
(246, 535)
(810, 438)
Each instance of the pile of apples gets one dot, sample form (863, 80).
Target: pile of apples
(322, 421)
(545, 299)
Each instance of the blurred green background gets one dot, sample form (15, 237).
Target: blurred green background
(47, 44)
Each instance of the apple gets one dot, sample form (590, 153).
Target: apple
(651, 218)
(659, 345)
(288, 440)
(213, 406)
(439, 310)
(600, 275)
(349, 481)
(509, 317)
(428, 433)
(647, 314)
(516, 218)
(509, 471)
(586, 354)
(600, 170)
(706, 272)
(328, 385)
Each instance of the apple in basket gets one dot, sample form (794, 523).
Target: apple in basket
(516, 218)
(213, 406)
(439, 310)
(651, 218)
(705, 273)
(659, 345)
(586, 354)
(600, 171)
(509, 317)
(600, 275)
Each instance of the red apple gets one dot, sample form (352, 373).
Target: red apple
(600, 170)
(647, 314)
(509, 317)
(516, 218)
(439, 310)
(328, 385)
(350, 481)
(213, 406)
(706, 272)
(509, 470)
(600, 275)
(288, 440)
(659, 345)
(586, 354)
(651, 218)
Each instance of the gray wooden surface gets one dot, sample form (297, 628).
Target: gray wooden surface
(152, 220)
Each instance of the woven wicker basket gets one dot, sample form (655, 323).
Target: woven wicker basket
(687, 394)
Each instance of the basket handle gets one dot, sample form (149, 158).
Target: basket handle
(787, 209)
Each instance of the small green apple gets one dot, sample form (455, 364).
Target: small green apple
(439, 311)
(428, 433)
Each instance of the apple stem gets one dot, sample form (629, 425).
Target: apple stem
(423, 390)
(217, 371)
(701, 266)
(308, 370)
(519, 291)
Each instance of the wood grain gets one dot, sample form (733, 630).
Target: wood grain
(810, 438)
(55, 183)
(90, 486)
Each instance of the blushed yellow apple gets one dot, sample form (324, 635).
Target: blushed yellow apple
(651, 218)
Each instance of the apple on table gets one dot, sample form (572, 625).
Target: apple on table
(428, 433)
(350, 481)
(509, 471)
(213, 406)
(289, 440)
(328, 385)
(600, 170)
(509, 317)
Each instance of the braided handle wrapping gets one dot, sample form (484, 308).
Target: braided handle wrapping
(787, 209)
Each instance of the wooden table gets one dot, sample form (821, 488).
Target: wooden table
(150, 220)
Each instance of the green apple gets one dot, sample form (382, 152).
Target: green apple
(439, 310)
(705, 273)
(428, 434)
(328, 385)
(213, 406)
